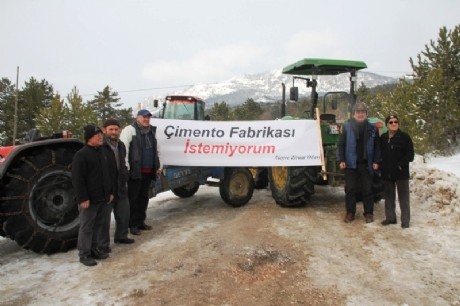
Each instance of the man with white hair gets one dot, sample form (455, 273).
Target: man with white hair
(143, 164)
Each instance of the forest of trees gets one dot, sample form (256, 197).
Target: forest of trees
(39, 107)
(427, 104)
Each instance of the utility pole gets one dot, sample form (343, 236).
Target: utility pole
(283, 102)
(15, 124)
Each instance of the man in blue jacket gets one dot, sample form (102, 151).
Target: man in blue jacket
(143, 164)
(359, 155)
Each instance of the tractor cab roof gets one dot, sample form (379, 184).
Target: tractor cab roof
(184, 98)
(320, 66)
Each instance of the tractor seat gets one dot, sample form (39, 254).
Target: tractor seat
(329, 118)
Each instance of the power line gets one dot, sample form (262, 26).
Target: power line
(147, 89)
(388, 71)
(157, 88)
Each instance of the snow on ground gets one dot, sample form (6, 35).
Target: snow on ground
(448, 164)
(437, 185)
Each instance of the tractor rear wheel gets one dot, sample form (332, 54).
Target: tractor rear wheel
(187, 190)
(237, 187)
(292, 186)
(38, 204)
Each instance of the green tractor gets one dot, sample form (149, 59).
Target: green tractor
(293, 186)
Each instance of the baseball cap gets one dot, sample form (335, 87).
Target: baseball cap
(144, 112)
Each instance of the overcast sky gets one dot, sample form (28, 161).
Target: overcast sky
(142, 48)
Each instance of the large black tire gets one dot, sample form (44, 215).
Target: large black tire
(187, 190)
(292, 186)
(38, 206)
(237, 187)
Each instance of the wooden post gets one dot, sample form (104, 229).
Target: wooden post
(323, 160)
(15, 116)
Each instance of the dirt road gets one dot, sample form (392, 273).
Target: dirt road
(202, 252)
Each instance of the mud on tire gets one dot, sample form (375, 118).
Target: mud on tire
(38, 206)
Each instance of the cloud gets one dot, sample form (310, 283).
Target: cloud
(210, 65)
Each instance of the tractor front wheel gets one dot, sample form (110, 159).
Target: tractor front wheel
(187, 190)
(237, 187)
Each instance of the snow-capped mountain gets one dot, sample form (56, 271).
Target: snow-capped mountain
(266, 87)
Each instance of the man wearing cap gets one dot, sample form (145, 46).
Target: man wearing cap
(143, 164)
(116, 152)
(397, 153)
(92, 181)
(358, 153)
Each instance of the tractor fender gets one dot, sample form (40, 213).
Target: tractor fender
(22, 149)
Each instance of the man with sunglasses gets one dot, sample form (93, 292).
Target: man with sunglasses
(397, 152)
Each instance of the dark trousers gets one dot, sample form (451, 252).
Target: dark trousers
(403, 196)
(91, 219)
(104, 231)
(358, 180)
(121, 213)
(138, 194)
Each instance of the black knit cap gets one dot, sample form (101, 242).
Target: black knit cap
(391, 117)
(90, 130)
(111, 121)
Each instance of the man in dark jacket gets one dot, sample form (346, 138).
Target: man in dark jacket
(397, 153)
(143, 164)
(359, 154)
(91, 179)
(116, 153)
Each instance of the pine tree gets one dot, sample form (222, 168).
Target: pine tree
(7, 98)
(249, 110)
(32, 98)
(437, 86)
(124, 116)
(104, 104)
(428, 104)
(221, 112)
(50, 119)
(78, 114)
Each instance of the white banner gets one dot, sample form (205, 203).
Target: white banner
(238, 143)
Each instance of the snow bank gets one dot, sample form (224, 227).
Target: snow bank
(435, 190)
